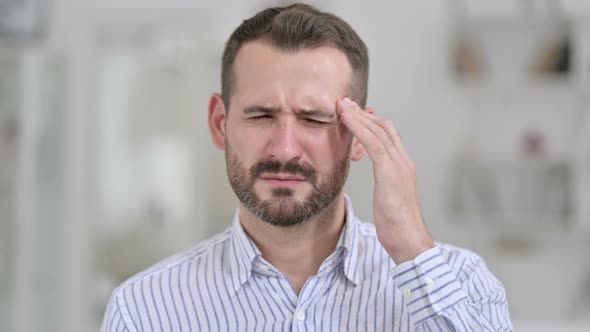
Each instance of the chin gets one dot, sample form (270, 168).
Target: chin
(283, 192)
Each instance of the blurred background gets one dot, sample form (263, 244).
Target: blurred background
(106, 165)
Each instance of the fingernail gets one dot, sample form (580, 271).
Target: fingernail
(347, 100)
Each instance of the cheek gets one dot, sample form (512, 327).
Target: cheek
(340, 140)
(247, 144)
(331, 147)
(344, 133)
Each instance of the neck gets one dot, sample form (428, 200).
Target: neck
(298, 251)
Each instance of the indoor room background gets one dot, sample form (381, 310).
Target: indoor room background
(106, 165)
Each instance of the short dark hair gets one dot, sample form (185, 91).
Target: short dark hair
(298, 27)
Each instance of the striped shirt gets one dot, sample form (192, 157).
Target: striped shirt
(224, 284)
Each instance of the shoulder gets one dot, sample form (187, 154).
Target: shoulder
(149, 291)
(188, 259)
(366, 229)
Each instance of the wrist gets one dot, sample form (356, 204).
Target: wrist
(401, 254)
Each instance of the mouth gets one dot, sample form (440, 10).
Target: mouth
(283, 179)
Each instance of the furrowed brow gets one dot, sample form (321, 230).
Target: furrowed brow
(260, 109)
(318, 114)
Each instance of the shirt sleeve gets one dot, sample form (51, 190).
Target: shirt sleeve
(115, 317)
(451, 289)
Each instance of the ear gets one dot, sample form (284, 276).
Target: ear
(217, 118)
(358, 150)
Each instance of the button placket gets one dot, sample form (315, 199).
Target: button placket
(429, 283)
(407, 292)
(306, 298)
(300, 316)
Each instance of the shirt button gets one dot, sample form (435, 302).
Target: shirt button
(407, 293)
(301, 315)
(429, 283)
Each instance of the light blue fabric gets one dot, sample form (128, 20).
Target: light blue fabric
(224, 284)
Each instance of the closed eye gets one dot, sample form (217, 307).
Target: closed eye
(315, 122)
(260, 117)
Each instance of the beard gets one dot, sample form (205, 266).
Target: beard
(283, 209)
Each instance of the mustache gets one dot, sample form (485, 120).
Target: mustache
(291, 167)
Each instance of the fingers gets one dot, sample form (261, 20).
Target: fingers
(386, 125)
(379, 136)
(366, 132)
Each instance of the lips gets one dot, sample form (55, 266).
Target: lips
(283, 179)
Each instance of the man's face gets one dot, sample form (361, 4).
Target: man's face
(287, 155)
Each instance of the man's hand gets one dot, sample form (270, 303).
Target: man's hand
(396, 205)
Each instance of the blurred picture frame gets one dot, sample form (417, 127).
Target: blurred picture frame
(507, 51)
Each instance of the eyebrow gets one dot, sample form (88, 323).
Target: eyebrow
(318, 114)
(261, 109)
(305, 112)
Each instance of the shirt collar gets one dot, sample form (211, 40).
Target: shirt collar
(350, 243)
(243, 252)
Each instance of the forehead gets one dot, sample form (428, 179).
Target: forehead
(263, 74)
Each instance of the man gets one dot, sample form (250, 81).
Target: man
(290, 118)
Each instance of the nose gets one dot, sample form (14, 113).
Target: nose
(284, 144)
